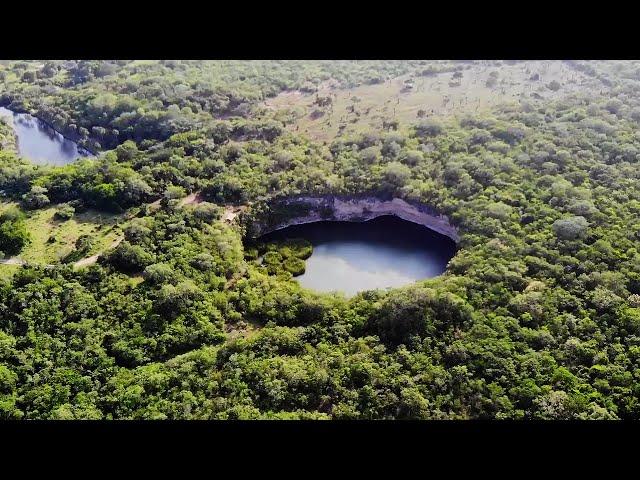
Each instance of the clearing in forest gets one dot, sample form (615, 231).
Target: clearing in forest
(53, 239)
(408, 98)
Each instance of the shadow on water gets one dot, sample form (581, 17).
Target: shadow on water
(40, 143)
(356, 256)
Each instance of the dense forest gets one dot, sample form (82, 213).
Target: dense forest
(536, 317)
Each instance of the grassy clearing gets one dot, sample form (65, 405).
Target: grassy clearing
(136, 280)
(7, 271)
(243, 329)
(6, 204)
(52, 240)
(366, 107)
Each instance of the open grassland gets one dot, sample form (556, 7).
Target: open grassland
(52, 239)
(7, 271)
(476, 87)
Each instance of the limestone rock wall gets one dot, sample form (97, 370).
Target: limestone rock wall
(353, 209)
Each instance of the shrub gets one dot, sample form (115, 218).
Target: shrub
(159, 273)
(14, 236)
(570, 228)
(294, 265)
(129, 258)
(64, 212)
(296, 247)
(428, 128)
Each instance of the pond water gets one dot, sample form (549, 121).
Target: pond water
(354, 256)
(40, 143)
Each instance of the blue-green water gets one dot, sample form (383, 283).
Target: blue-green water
(40, 143)
(354, 256)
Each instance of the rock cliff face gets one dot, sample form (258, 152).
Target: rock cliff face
(354, 209)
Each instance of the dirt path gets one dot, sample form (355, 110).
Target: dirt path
(85, 262)
(80, 263)
(230, 213)
(12, 261)
(243, 329)
(191, 199)
(94, 258)
(155, 205)
(19, 261)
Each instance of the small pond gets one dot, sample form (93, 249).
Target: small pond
(40, 143)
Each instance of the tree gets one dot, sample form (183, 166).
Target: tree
(173, 193)
(412, 157)
(428, 128)
(159, 273)
(293, 265)
(570, 228)
(64, 212)
(29, 76)
(129, 258)
(14, 236)
(172, 300)
(554, 85)
(397, 174)
(36, 198)
(104, 195)
(391, 149)
(370, 155)
(207, 212)
(135, 191)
